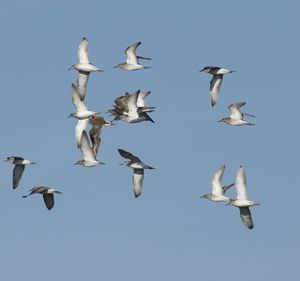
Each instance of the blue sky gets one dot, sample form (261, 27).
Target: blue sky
(97, 229)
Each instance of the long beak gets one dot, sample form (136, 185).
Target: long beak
(201, 70)
(116, 66)
(6, 160)
(121, 164)
(33, 163)
(70, 68)
(220, 120)
(203, 196)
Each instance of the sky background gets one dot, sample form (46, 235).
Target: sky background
(97, 230)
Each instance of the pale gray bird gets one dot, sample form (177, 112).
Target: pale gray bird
(241, 200)
(216, 81)
(84, 64)
(132, 61)
(19, 168)
(89, 157)
(138, 170)
(47, 192)
(218, 191)
(82, 111)
(236, 116)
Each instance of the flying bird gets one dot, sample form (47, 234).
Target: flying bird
(242, 201)
(216, 81)
(97, 123)
(218, 191)
(236, 116)
(138, 170)
(82, 112)
(47, 192)
(89, 157)
(127, 108)
(132, 61)
(19, 168)
(84, 64)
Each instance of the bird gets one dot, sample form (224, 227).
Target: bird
(89, 157)
(84, 64)
(82, 112)
(97, 123)
(47, 192)
(138, 170)
(19, 168)
(241, 200)
(216, 81)
(127, 109)
(132, 61)
(236, 116)
(218, 190)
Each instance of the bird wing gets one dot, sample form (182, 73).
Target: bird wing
(49, 200)
(246, 217)
(216, 181)
(122, 101)
(241, 184)
(130, 53)
(79, 104)
(17, 174)
(82, 81)
(95, 138)
(132, 105)
(88, 153)
(129, 155)
(137, 180)
(79, 128)
(215, 84)
(83, 54)
(235, 110)
(226, 187)
(141, 98)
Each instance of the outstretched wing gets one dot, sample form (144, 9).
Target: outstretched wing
(83, 54)
(49, 200)
(130, 53)
(128, 155)
(17, 174)
(215, 84)
(246, 217)
(137, 179)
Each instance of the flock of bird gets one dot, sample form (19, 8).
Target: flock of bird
(132, 108)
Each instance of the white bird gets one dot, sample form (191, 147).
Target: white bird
(216, 81)
(84, 64)
(132, 61)
(82, 111)
(236, 116)
(138, 170)
(241, 200)
(19, 168)
(218, 190)
(89, 157)
(47, 192)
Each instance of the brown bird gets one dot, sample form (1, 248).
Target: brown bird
(97, 123)
(47, 193)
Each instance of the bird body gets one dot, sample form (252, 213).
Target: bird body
(236, 116)
(138, 170)
(242, 201)
(82, 112)
(132, 60)
(84, 64)
(48, 194)
(216, 81)
(19, 168)
(218, 191)
(89, 157)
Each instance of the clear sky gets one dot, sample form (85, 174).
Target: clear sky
(97, 230)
